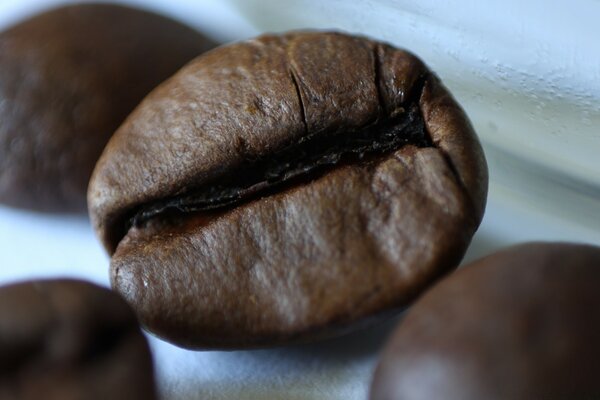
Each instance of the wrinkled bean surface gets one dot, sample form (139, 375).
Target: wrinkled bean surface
(287, 188)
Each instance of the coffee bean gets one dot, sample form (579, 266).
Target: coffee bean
(520, 324)
(68, 79)
(66, 339)
(285, 189)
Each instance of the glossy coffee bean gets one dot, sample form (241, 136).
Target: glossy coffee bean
(68, 79)
(521, 324)
(287, 188)
(65, 339)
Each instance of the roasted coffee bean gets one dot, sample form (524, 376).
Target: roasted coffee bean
(520, 324)
(68, 79)
(66, 339)
(286, 189)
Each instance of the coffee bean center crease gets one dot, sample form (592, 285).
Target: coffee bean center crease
(302, 160)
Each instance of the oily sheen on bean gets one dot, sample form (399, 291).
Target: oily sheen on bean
(66, 339)
(519, 324)
(285, 189)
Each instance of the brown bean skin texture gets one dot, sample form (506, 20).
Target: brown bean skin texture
(68, 79)
(518, 324)
(314, 256)
(67, 339)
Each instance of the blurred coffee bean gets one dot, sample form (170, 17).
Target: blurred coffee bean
(68, 78)
(521, 324)
(65, 339)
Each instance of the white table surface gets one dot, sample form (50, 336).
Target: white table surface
(524, 204)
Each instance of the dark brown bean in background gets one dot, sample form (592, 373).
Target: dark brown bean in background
(68, 78)
(287, 188)
(520, 324)
(66, 339)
